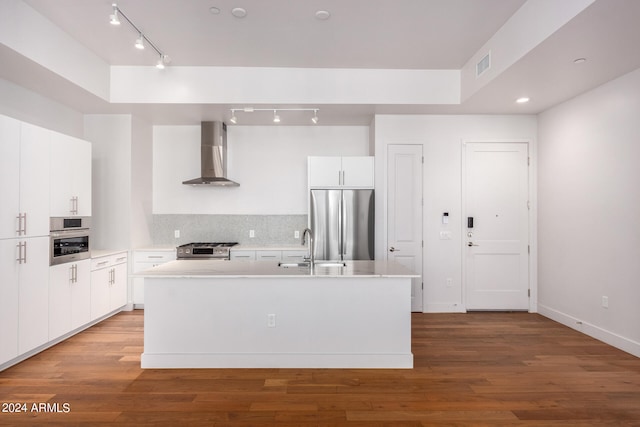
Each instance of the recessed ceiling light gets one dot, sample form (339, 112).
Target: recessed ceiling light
(523, 100)
(214, 10)
(580, 61)
(322, 15)
(239, 12)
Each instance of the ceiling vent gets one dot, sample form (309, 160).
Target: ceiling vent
(483, 65)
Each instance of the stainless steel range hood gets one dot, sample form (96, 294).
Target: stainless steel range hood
(213, 156)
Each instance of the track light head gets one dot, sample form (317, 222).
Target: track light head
(113, 18)
(140, 42)
(314, 119)
(276, 117)
(160, 63)
(233, 118)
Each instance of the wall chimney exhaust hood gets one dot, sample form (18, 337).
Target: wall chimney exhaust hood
(213, 156)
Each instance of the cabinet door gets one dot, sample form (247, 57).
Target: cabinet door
(70, 176)
(242, 255)
(33, 305)
(8, 300)
(82, 176)
(294, 256)
(358, 172)
(9, 184)
(324, 171)
(118, 296)
(100, 292)
(269, 255)
(81, 295)
(34, 165)
(60, 277)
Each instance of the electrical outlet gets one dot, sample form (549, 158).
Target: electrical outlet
(449, 282)
(605, 302)
(271, 320)
(176, 234)
(296, 234)
(252, 234)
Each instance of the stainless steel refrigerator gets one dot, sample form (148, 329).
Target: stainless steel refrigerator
(342, 222)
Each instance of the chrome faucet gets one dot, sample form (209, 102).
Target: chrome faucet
(304, 240)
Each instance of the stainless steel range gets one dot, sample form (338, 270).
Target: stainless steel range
(199, 250)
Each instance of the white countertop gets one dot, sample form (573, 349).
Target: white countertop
(231, 269)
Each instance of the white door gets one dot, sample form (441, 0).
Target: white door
(404, 198)
(496, 226)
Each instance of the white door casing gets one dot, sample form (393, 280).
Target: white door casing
(496, 247)
(404, 212)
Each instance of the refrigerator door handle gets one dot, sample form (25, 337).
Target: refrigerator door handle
(341, 225)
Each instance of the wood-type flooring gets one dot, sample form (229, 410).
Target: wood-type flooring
(480, 369)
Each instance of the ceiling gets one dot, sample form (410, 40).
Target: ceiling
(372, 34)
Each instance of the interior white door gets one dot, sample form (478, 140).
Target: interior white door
(404, 212)
(496, 224)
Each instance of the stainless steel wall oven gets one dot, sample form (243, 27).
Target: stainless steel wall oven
(70, 239)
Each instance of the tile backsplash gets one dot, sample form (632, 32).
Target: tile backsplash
(268, 229)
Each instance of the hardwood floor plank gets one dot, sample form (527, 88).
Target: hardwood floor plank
(475, 369)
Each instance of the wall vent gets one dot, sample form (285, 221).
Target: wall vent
(483, 65)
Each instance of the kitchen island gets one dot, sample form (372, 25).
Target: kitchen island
(256, 314)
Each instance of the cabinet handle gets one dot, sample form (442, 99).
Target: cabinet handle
(121, 259)
(22, 252)
(101, 263)
(74, 205)
(154, 256)
(22, 224)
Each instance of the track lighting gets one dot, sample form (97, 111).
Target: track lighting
(140, 41)
(276, 116)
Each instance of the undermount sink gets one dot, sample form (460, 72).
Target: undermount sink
(316, 264)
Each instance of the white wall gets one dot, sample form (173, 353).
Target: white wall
(589, 215)
(31, 107)
(441, 138)
(269, 162)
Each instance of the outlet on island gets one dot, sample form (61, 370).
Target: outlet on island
(252, 234)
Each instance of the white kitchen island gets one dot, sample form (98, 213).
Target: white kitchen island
(255, 314)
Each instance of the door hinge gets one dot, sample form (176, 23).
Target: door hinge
(422, 285)
(422, 159)
(528, 161)
(529, 293)
(422, 244)
(528, 204)
(528, 249)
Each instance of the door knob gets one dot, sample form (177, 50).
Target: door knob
(392, 249)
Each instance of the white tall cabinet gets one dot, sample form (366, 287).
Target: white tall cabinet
(24, 241)
(44, 174)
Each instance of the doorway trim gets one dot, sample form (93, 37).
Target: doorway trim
(533, 216)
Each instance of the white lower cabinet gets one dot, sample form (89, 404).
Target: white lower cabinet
(69, 297)
(144, 260)
(108, 284)
(268, 255)
(240, 255)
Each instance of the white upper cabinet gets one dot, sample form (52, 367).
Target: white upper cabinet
(341, 172)
(70, 176)
(24, 161)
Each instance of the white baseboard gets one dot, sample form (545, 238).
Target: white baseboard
(615, 340)
(443, 308)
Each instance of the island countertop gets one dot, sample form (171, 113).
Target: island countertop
(248, 269)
